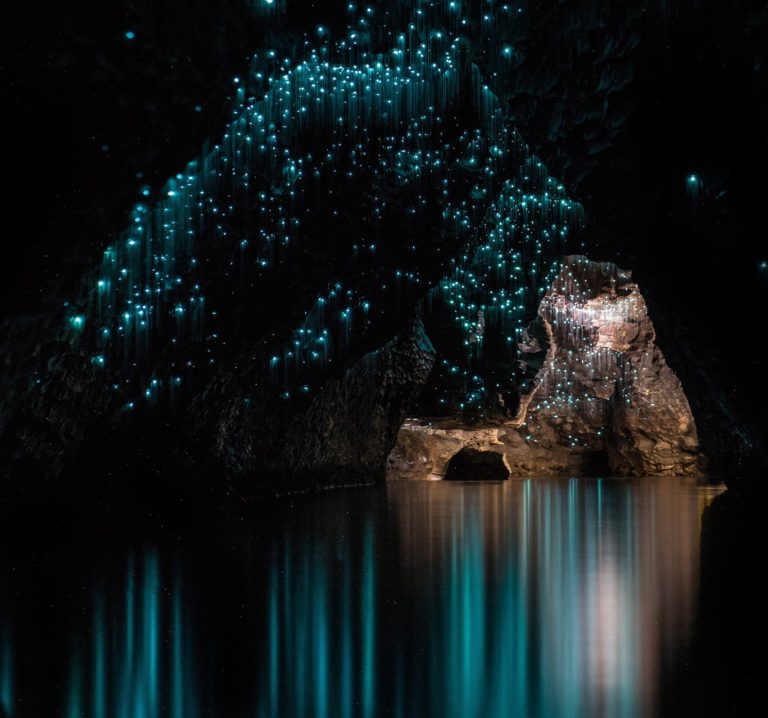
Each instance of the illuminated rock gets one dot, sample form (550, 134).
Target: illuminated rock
(424, 449)
(604, 400)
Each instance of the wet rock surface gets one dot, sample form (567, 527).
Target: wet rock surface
(604, 400)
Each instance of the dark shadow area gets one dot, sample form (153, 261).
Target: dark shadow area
(720, 673)
(596, 464)
(474, 465)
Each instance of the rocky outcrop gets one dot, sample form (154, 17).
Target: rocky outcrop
(425, 448)
(604, 400)
(341, 434)
(346, 432)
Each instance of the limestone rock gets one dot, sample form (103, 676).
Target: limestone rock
(424, 450)
(603, 402)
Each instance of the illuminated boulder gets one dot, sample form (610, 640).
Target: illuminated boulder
(603, 401)
(605, 385)
(424, 449)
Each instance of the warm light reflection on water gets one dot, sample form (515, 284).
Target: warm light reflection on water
(536, 598)
(548, 598)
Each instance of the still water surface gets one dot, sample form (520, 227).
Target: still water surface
(540, 598)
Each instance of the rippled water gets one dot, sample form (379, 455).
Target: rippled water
(528, 598)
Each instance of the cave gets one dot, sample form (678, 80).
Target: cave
(384, 358)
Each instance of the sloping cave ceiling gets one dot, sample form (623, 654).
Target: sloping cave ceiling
(649, 113)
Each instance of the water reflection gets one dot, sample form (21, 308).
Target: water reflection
(135, 658)
(6, 670)
(549, 598)
(321, 657)
(530, 598)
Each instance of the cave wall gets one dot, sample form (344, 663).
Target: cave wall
(342, 436)
(648, 100)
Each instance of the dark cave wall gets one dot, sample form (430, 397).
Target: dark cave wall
(342, 436)
(130, 113)
(697, 107)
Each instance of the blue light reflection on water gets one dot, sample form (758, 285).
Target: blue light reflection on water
(6, 669)
(128, 663)
(547, 598)
(535, 598)
(322, 627)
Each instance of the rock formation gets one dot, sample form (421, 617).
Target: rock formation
(603, 402)
(346, 432)
(342, 434)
